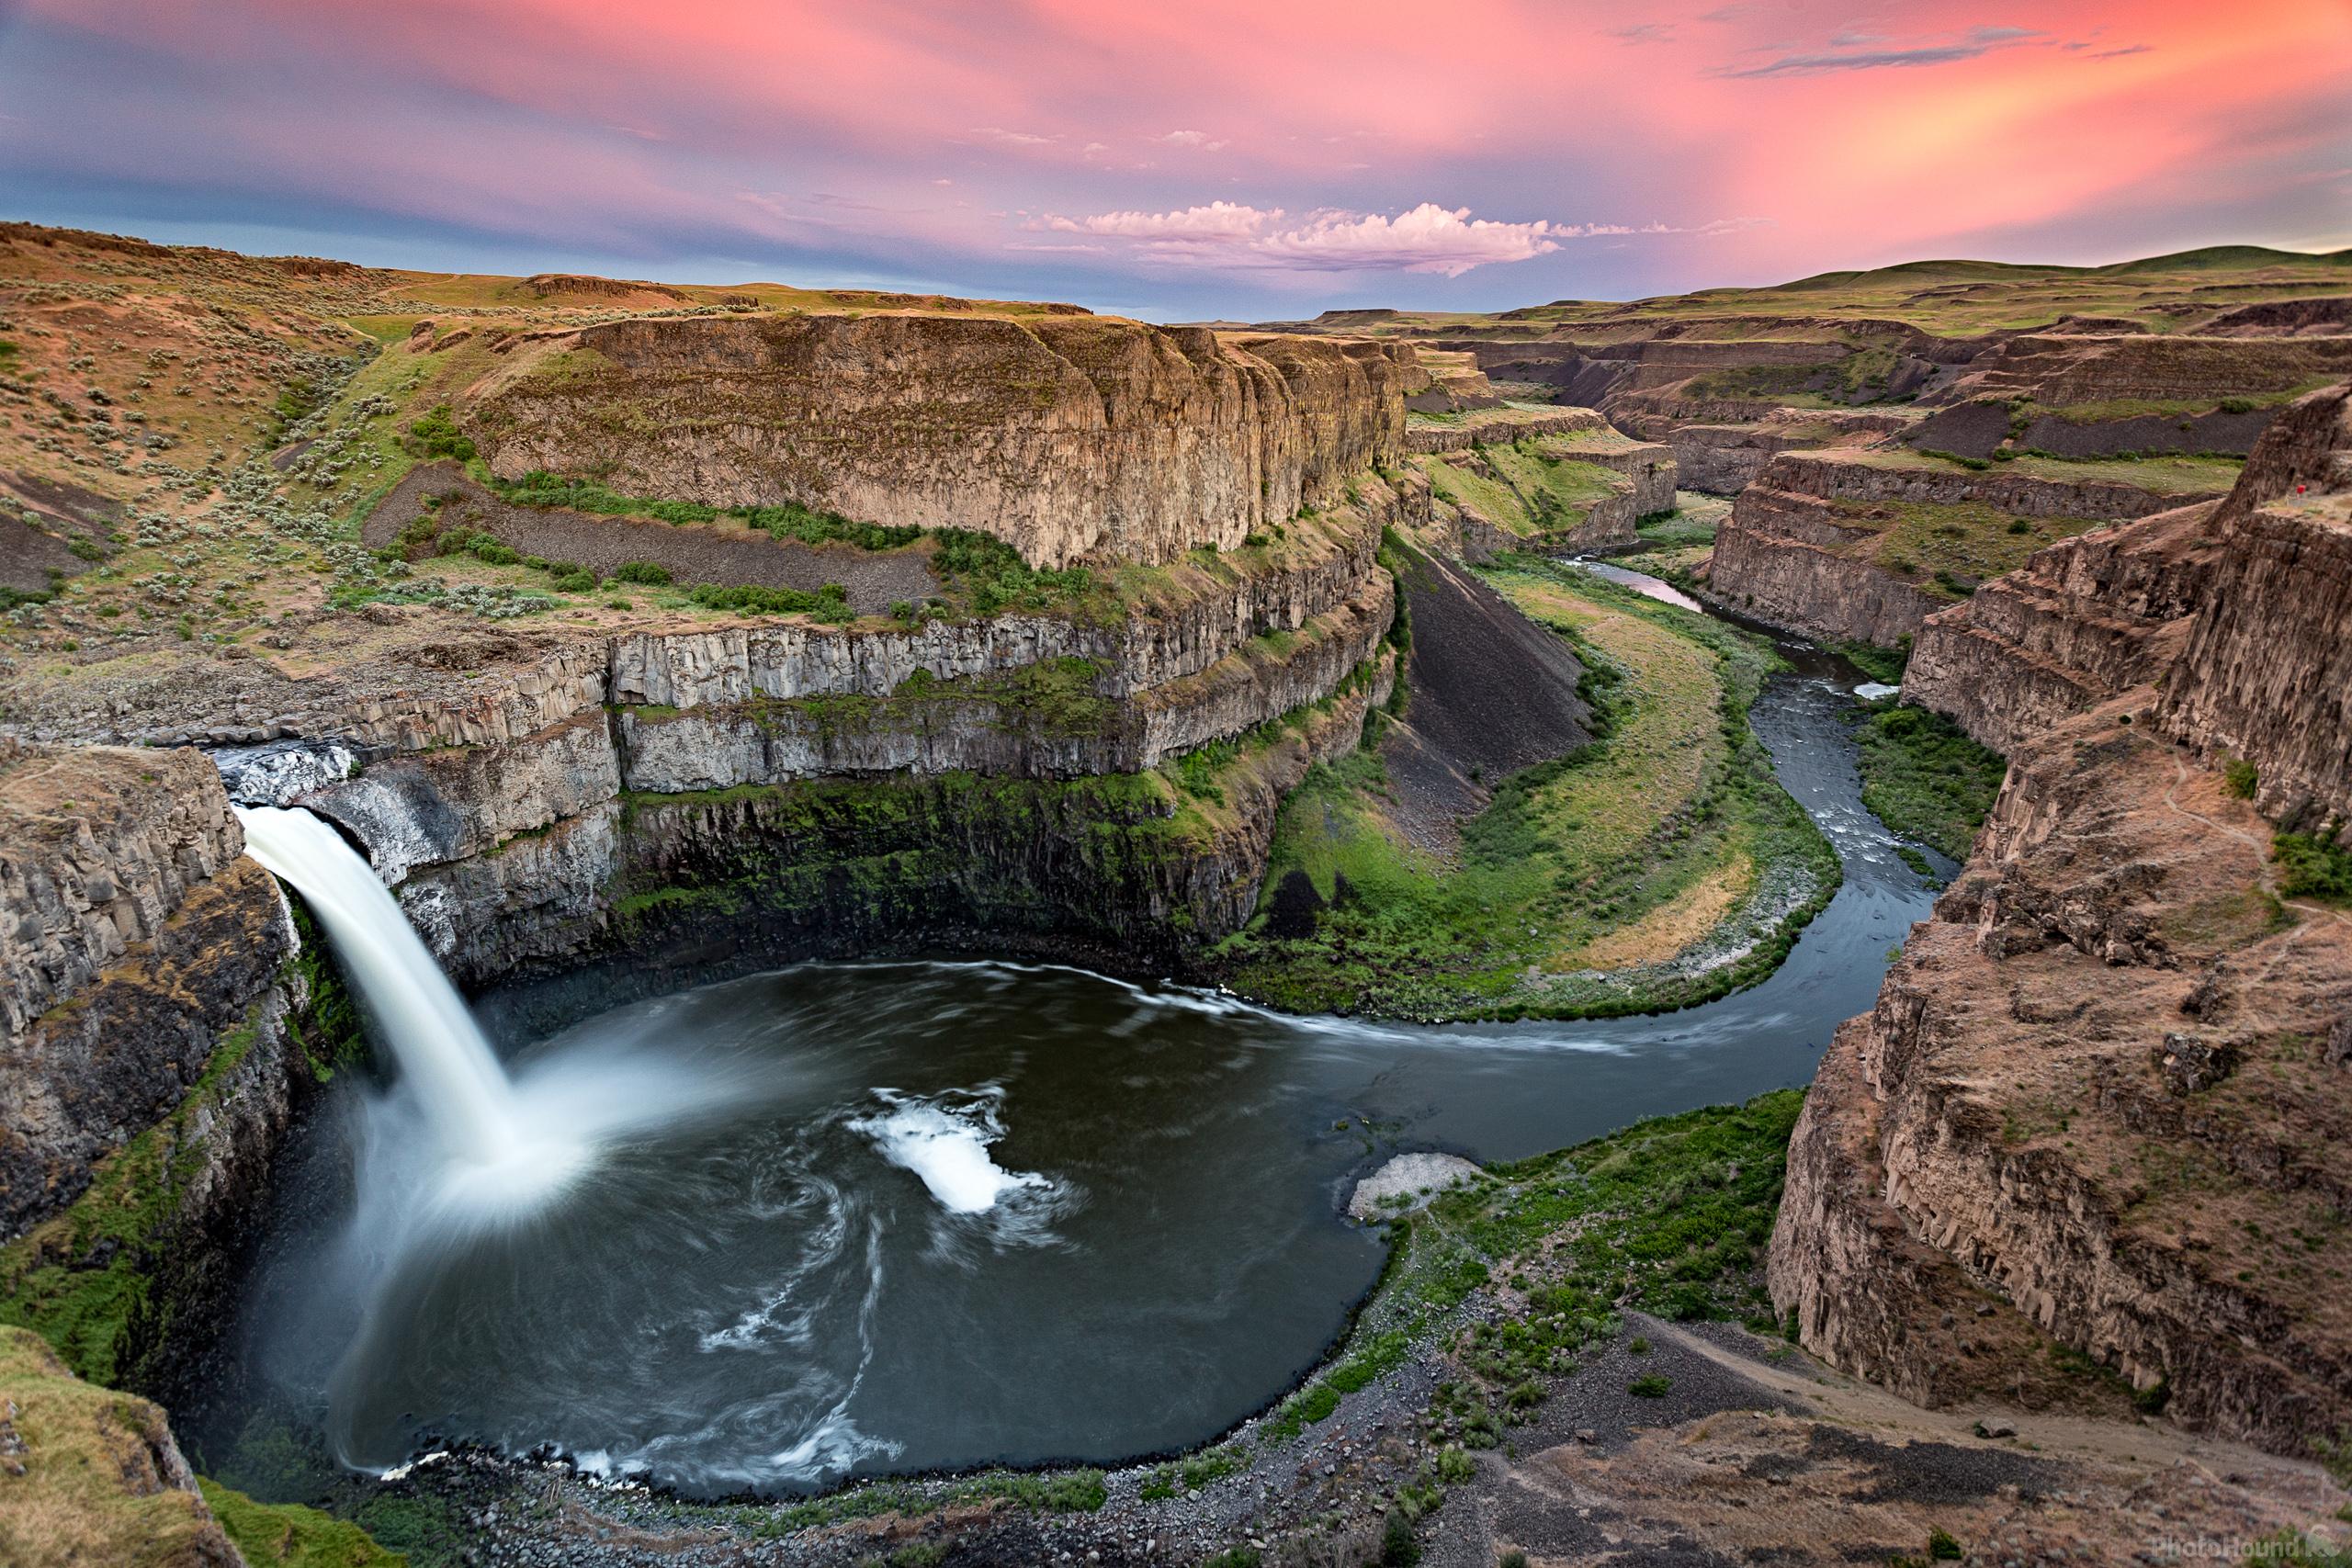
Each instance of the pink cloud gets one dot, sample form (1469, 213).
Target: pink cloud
(1217, 221)
(1428, 237)
(1938, 126)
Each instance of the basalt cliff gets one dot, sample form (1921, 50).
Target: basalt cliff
(656, 631)
(1067, 435)
(2094, 1110)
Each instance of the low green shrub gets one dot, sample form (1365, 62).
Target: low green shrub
(435, 434)
(2316, 866)
(831, 601)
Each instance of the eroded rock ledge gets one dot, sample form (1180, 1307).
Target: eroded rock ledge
(1838, 546)
(1071, 438)
(2101, 1101)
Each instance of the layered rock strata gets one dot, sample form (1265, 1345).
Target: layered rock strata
(2094, 1107)
(533, 822)
(2099, 1099)
(1470, 431)
(2082, 621)
(1801, 547)
(2266, 676)
(1797, 561)
(1724, 458)
(163, 1020)
(1072, 438)
(2114, 608)
(2086, 396)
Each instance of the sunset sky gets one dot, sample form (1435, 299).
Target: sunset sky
(1236, 158)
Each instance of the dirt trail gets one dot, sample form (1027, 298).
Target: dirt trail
(1755, 1451)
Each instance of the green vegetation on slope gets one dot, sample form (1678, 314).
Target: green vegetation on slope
(1855, 377)
(268, 1534)
(1657, 866)
(1669, 1216)
(78, 1479)
(1529, 488)
(978, 567)
(2315, 866)
(1948, 549)
(2159, 475)
(1925, 778)
(102, 1281)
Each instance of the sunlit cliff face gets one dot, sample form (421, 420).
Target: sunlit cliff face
(1217, 156)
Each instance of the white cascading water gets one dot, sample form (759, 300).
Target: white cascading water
(440, 1049)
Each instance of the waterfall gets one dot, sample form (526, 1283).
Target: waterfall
(440, 1049)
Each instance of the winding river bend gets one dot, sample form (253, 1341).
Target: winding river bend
(941, 1214)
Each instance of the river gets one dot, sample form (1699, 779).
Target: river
(944, 1213)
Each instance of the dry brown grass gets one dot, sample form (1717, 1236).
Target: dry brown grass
(99, 1476)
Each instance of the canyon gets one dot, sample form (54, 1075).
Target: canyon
(641, 639)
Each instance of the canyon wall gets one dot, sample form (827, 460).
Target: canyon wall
(2266, 676)
(1858, 477)
(1470, 431)
(1719, 458)
(2096, 1111)
(1806, 546)
(2082, 621)
(163, 1022)
(1071, 438)
(576, 796)
(2093, 615)
(2095, 1106)
(1797, 561)
(702, 797)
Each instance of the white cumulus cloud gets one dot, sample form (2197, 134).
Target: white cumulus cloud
(1428, 237)
(1217, 221)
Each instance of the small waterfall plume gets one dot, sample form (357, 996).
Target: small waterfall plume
(433, 1036)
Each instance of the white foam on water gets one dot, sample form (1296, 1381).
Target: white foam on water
(1871, 691)
(944, 1141)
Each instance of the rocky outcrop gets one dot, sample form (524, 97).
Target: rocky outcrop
(2324, 315)
(2098, 1091)
(1468, 431)
(1072, 438)
(137, 937)
(2082, 621)
(541, 847)
(1650, 469)
(2089, 396)
(1797, 561)
(1448, 382)
(1802, 547)
(1724, 458)
(1871, 478)
(2060, 370)
(179, 1022)
(93, 1476)
(2114, 608)
(2099, 1095)
(1645, 364)
(2006, 1123)
(1053, 721)
(1538, 493)
(1125, 869)
(2266, 675)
